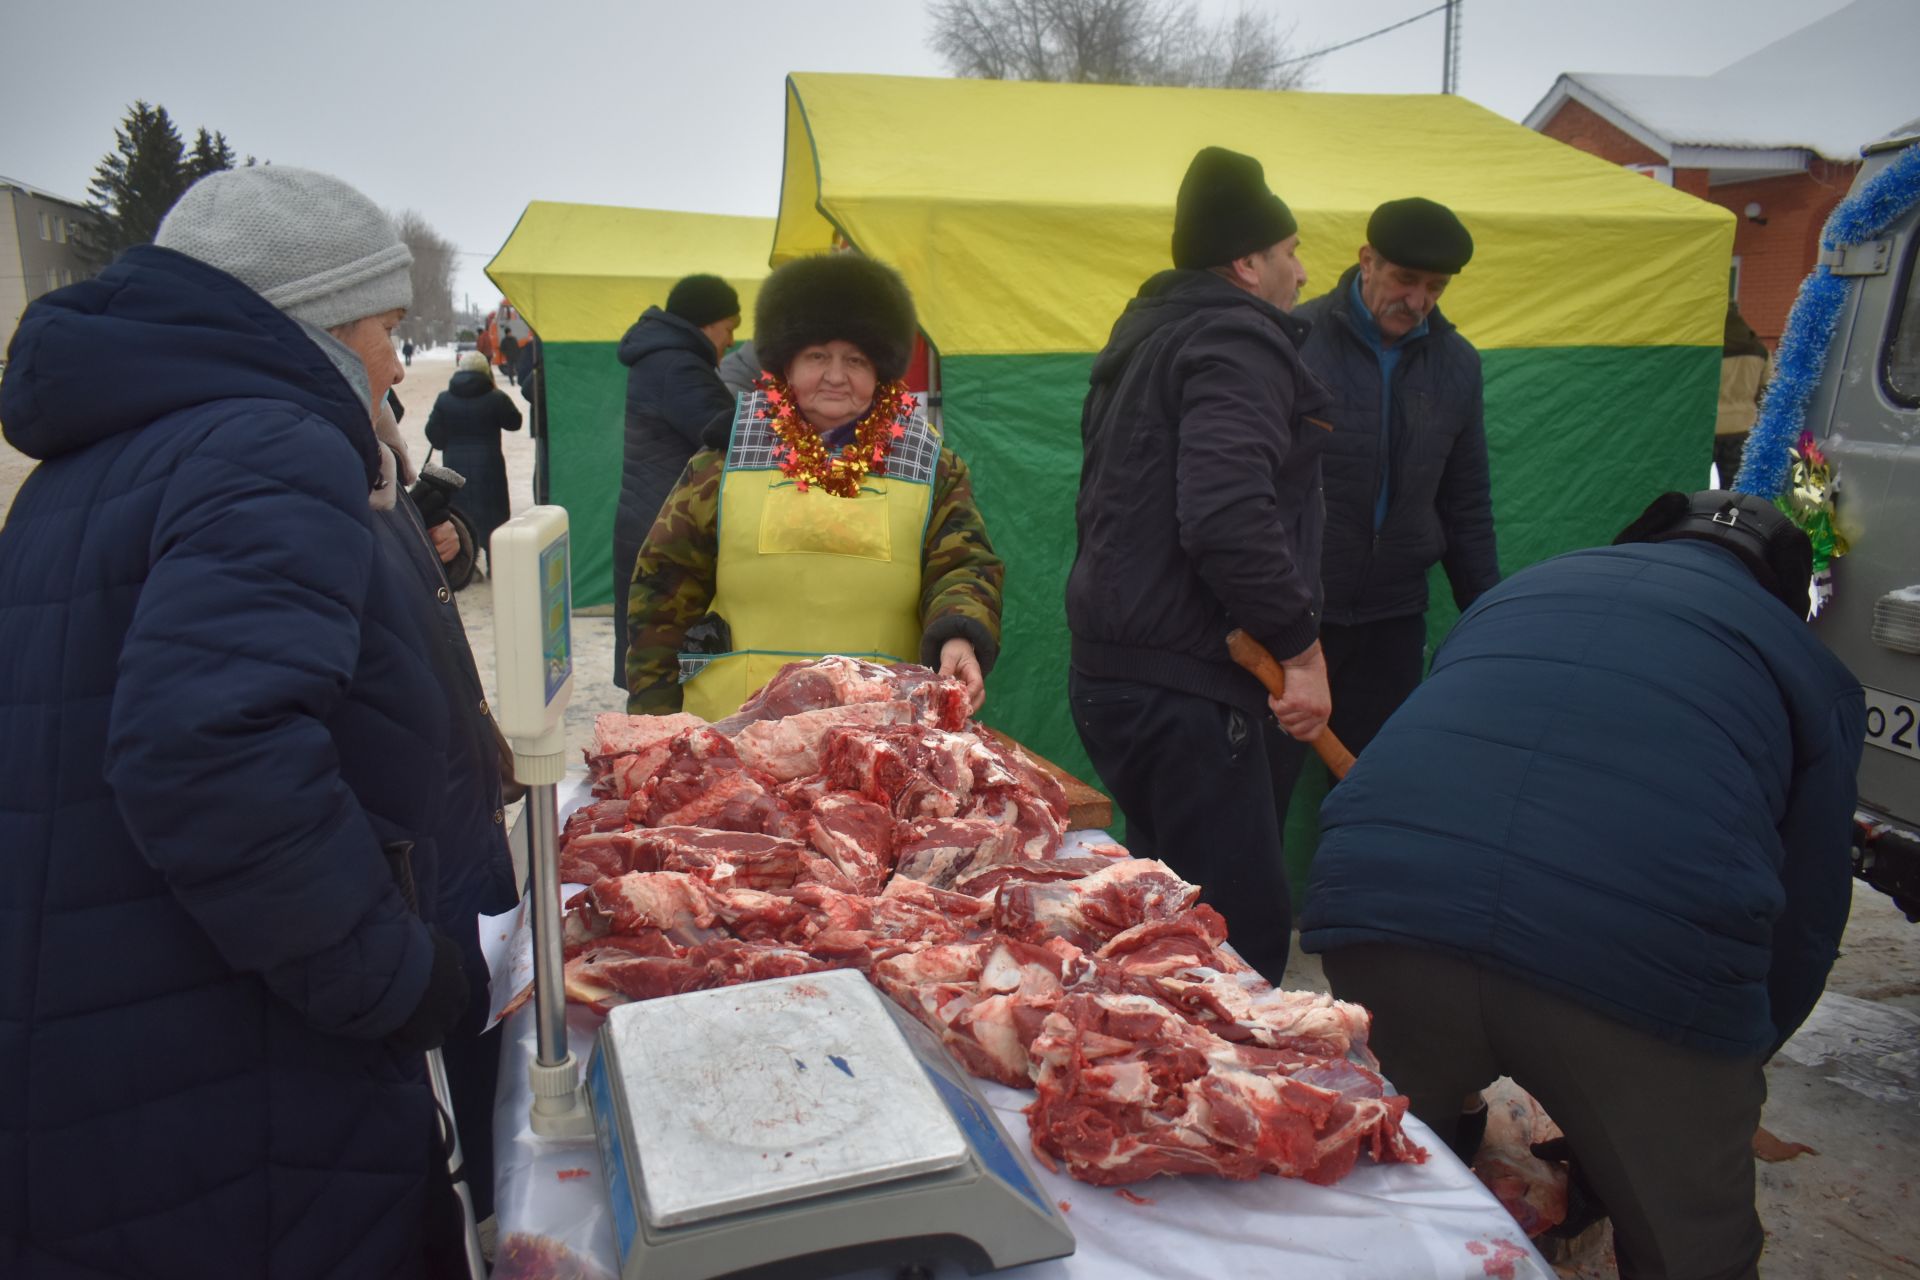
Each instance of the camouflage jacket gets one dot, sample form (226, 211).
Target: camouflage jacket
(673, 579)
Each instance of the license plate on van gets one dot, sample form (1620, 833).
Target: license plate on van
(1893, 723)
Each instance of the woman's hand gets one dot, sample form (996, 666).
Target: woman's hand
(446, 541)
(958, 660)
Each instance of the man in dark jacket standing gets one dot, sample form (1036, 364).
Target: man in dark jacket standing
(218, 734)
(1200, 512)
(1406, 465)
(1604, 849)
(674, 393)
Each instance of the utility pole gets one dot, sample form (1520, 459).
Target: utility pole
(1450, 54)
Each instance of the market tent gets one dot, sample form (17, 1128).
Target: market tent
(581, 274)
(1025, 215)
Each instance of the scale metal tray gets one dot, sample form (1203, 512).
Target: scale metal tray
(823, 1096)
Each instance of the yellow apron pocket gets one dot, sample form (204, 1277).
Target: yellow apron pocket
(812, 523)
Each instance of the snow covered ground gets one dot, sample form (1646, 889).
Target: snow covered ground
(1848, 1086)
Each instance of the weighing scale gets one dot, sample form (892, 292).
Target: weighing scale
(803, 1127)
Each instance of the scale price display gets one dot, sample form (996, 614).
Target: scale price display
(556, 607)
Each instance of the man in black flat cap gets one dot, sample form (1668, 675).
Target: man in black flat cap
(1200, 512)
(1406, 464)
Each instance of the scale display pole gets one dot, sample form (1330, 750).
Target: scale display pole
(533, 640)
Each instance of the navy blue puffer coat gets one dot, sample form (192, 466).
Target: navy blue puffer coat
(1629, 780)
(214, 712)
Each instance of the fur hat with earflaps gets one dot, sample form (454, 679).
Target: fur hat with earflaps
(835, 296)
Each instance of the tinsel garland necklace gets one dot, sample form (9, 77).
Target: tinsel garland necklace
(804, 456)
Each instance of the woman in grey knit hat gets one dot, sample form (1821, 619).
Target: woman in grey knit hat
(217, 726)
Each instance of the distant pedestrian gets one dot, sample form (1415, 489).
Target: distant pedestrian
(1743, 372)
(510, 357)
(406, 352)
(465, 426)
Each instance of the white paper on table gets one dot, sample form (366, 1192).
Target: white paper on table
(506, 940)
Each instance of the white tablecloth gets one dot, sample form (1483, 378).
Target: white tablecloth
(1433, 1221)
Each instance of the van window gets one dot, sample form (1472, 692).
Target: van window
(1901, 360)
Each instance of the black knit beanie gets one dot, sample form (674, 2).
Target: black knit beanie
(1225, 211)
(1421, 235)
(701, 300)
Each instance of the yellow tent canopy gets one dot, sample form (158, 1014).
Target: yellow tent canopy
(584, 272)
(581, 274)
(1025, 215)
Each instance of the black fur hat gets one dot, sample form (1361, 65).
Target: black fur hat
(835, 296)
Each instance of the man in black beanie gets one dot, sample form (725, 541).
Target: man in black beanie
(673, 392)
(1406, 463)
(1199, 512)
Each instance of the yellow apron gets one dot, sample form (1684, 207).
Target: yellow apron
(800, 575)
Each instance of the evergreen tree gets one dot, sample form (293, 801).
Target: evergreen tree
(135, 183)
(211, 154)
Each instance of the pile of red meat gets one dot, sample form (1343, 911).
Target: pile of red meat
(848, 816)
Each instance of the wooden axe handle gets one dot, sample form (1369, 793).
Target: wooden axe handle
(1253, 655)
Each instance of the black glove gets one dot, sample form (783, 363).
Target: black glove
(440, 1007)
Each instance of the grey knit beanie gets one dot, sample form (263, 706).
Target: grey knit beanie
(306, 242)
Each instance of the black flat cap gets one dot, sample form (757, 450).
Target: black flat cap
(1420, 234)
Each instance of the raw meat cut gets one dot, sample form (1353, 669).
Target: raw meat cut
(856, 835)
(610, 974)
(627, 749)
(1126, 1088)
(791, 748)
(725, 858)
(1021, 794)
(938, 851)
(915, 771)
(1090, 911)
(1533, 1190)
(982, 883)
(702, 783)
(836, 681)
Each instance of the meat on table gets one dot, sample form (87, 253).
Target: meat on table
(849, 816)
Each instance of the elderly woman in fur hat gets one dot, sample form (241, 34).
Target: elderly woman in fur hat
(827, 517)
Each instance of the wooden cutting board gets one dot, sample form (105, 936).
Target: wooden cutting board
(1087, 809)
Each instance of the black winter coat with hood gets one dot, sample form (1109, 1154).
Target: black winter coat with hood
(1440, 503)
(1200, 505)
(673, 393)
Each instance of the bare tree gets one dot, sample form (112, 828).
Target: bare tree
(1158, 42)
(430, 319)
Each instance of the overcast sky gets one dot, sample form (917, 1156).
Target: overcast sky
(466, 112)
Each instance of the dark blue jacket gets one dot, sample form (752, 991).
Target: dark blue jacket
(1629, 779)
(1199, 507)
(473, 875)
(210, 726)
(465, 425)
(674, 394)
(1440, 505)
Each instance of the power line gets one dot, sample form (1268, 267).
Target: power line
(1348, 44)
